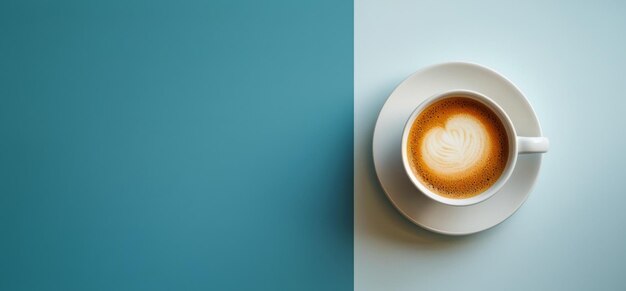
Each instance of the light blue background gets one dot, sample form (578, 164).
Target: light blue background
(176, 145)
(569, 57)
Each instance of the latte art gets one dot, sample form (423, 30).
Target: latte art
(456, 148)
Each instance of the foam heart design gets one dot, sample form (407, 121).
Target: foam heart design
(457, 148)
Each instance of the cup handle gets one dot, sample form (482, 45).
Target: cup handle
(531, 145)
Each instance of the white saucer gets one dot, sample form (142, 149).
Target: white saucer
(405, 197)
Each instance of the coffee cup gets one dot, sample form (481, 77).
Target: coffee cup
(460, 147)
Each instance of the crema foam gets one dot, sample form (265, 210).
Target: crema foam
(458, 147)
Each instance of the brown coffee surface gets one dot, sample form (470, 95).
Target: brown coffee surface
(458, 147)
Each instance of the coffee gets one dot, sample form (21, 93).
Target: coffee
(457, 147)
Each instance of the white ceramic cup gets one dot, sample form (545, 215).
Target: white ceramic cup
(517, 145)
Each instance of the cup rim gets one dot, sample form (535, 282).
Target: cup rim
(512, 155)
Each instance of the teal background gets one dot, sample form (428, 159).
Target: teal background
(569, 58)
(176, 145)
